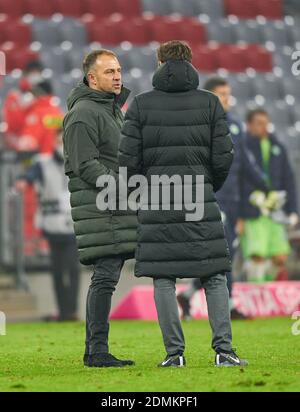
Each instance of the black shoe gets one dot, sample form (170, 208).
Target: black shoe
(105, 360)
(227, 359)
(177, 361)
(236, 315)
(184, 303)
(86, 360)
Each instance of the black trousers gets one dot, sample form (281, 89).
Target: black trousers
(105, 277)
(65, 274)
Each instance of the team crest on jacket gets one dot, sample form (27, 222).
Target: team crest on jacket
(234, 129)
(276, 150)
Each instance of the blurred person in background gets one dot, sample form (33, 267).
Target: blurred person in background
(37, 135)
(28, 112)
(40, 121)
(105, 238)
(264, 215)
(55, 221)
(228, 196)
(19, 100)
(177, 129)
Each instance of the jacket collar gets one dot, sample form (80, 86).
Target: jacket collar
(119, 99)
(83, 92)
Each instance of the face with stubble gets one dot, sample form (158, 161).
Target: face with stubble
(105, 75)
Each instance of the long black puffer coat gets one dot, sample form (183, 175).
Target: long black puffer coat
(177, 129)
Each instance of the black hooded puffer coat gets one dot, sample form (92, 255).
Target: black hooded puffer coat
(177, 129)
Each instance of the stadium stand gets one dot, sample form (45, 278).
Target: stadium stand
(247, 9)
(227, 36)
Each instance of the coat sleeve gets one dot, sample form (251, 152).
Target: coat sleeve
(82, 155)
(130, 149)
(291, 205)
(222, 146)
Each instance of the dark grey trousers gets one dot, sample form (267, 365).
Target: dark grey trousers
(65, 272)
(104, 280)
(217, 298)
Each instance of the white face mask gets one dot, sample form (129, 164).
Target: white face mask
(34, 78)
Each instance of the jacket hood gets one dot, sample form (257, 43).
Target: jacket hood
(176, 76)
(83, 92)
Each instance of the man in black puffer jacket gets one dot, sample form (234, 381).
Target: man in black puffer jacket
(176, 129)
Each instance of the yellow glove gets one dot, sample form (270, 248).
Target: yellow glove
(258, 199)
(275, 200)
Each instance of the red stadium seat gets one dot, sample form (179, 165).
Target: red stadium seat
(143, 30)
(104, 31)
(193, 31)
(135, 30)
(11, 8)
(271, 9)
(17, 58)
(38, 8)
(245, 9)
(69, 7)
(23, 56)
(19, 33)
(182, 28)
(163, 29)
(98, 8)
(204, 59)
(259, 58)
(231, 58)
(128, 8)
(3, 25)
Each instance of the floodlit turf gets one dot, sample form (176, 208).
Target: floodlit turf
(48, 357)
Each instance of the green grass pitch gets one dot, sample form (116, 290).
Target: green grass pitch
(48, 357)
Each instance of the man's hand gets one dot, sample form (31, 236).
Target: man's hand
(240, 227)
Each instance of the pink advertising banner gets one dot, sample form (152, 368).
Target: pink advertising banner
(255, 300)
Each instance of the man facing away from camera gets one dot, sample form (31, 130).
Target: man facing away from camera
(104, 238)
(176, 129)
(228, 196)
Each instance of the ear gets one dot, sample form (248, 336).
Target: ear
(91, 79)
(159, 63)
